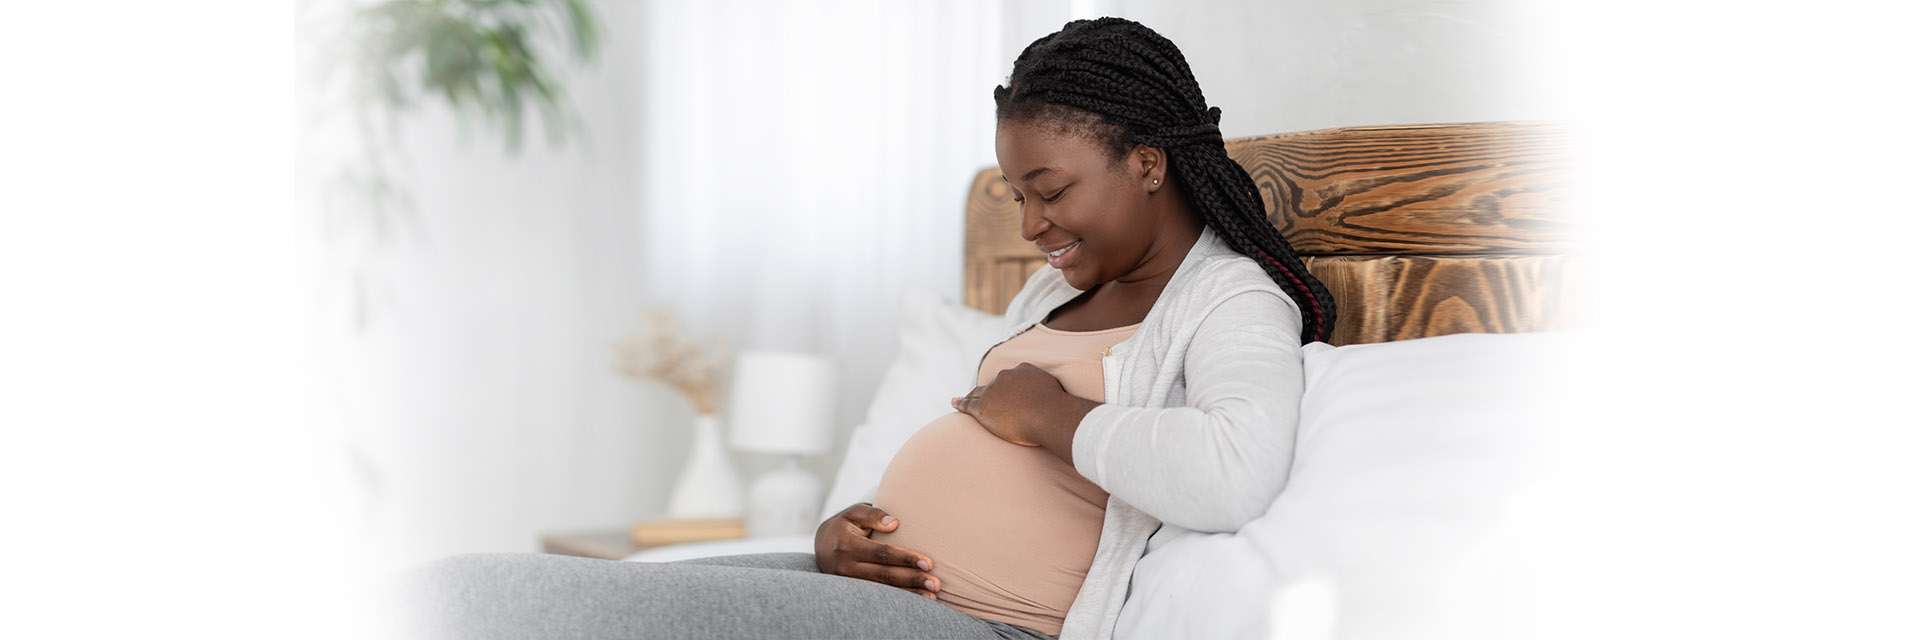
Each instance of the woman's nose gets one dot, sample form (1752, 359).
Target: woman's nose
(1032, 224)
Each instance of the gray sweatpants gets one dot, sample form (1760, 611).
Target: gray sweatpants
(761, 595)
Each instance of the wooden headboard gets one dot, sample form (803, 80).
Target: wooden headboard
(1417, 230)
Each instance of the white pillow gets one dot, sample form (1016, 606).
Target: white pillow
(1411, 509)
(940, 347)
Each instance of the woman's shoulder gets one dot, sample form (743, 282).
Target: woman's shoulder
(1234, 293)
(1219, 285)
(1229, 274)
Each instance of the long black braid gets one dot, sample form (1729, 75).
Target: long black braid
(1127, 85)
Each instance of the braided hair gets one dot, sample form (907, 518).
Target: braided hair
(1119, 83)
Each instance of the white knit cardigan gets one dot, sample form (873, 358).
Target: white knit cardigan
(1202, 403)
(1197, 430)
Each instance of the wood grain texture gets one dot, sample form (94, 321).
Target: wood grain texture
(1418, 230)
(1001, 281)
(1387, 298)
(1430, 189)
(998, 259)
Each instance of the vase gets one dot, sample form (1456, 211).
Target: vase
(708, 487)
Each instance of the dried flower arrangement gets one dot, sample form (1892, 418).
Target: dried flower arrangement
(663, 351)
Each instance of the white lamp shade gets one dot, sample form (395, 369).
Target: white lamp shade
(782, 403)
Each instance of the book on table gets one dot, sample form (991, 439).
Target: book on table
(664, 532)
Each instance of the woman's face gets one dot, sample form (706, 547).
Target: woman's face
(1069, 191)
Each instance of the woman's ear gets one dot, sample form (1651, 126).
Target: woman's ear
(1151, 163)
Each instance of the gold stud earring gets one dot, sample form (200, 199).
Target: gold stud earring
(1156, 182)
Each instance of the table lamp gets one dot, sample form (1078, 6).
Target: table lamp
(782, 403)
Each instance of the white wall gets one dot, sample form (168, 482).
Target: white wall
(1294, 65)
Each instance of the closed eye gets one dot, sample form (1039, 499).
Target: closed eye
(1047, 199)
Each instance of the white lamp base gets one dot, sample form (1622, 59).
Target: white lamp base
(709, 487)
(784, 502)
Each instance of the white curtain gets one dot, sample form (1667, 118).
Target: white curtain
(803, 162)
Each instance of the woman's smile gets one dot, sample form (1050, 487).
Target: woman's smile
(1064, 257)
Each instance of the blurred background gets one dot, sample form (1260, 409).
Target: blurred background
(775, 173)
(235, 388)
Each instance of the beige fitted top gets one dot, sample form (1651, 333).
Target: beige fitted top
(1011, 529)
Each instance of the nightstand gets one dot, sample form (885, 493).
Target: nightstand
(606, 545)
(619, 543)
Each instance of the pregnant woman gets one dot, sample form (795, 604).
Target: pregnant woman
(1148, 390)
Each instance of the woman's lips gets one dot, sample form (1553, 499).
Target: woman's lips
(1066, 259)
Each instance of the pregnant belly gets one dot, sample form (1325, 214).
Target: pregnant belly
(1011, 529)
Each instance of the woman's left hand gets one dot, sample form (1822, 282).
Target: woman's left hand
(1014, 404)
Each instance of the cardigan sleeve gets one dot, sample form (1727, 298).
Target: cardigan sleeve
(1217, 463)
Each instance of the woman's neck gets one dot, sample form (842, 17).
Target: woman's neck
(1168, 248)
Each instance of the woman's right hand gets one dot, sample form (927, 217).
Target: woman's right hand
(842, 547)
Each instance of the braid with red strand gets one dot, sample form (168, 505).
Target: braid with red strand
(1122, 84)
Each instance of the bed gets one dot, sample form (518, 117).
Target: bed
(1415, 505)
